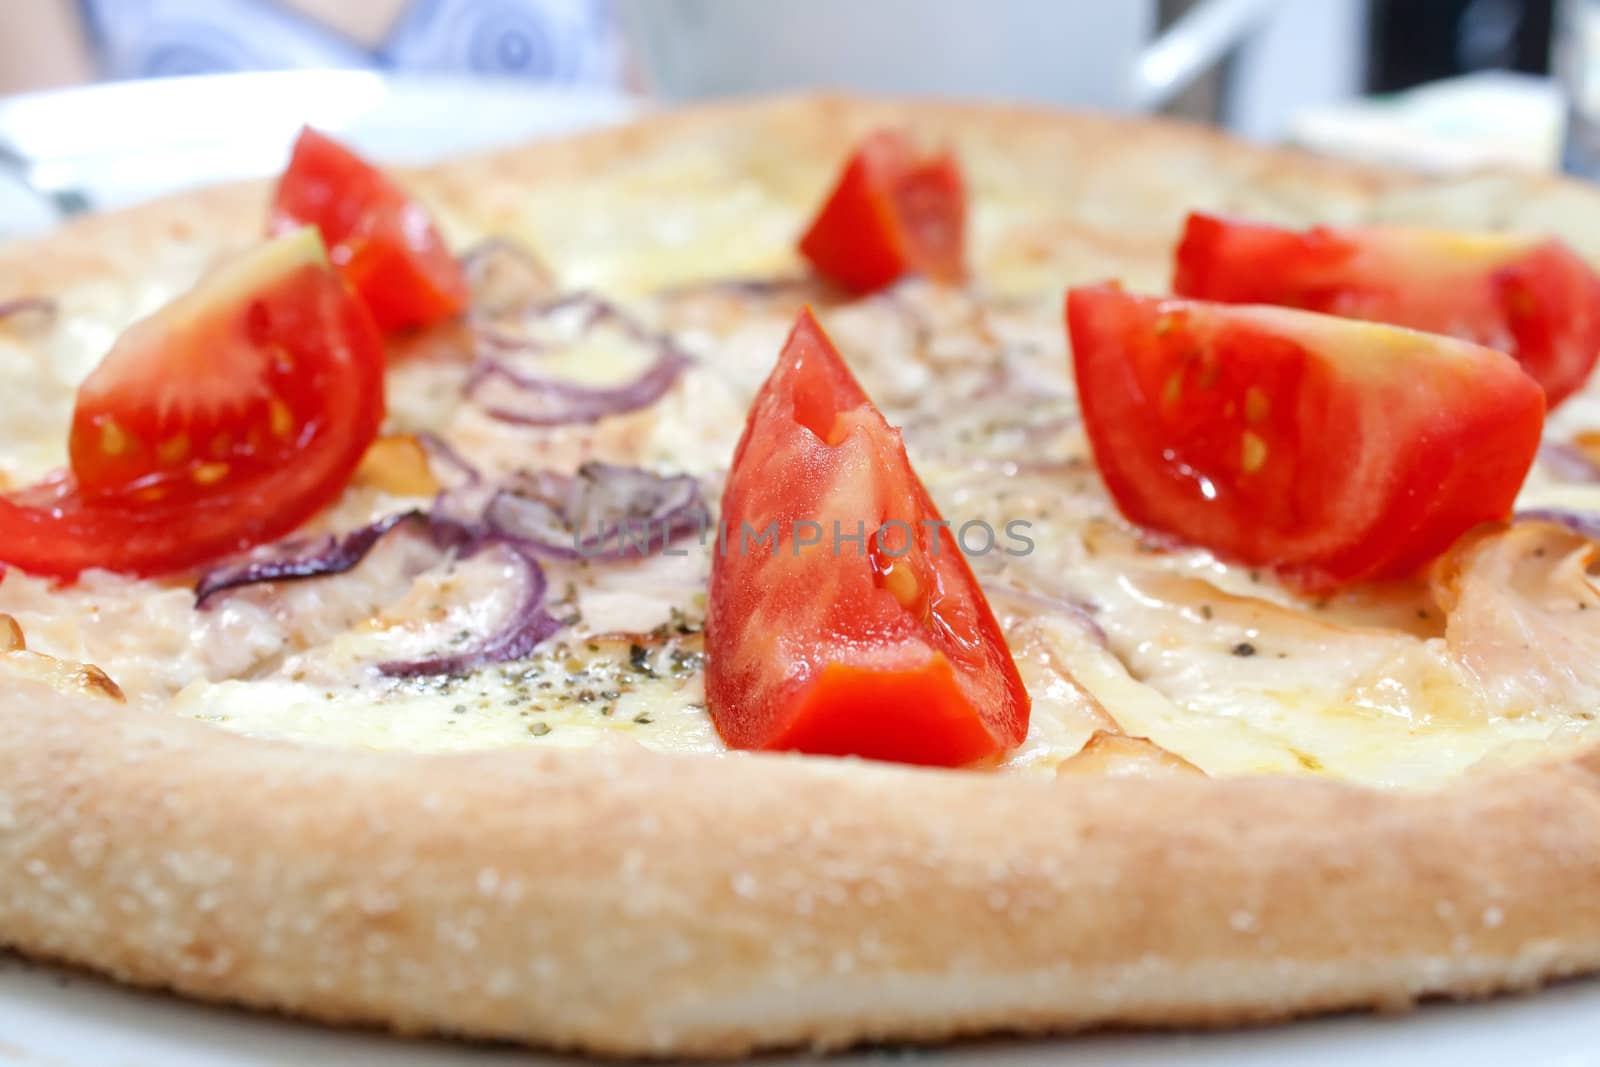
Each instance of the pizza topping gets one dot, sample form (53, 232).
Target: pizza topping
(890, 214)
(65, 676)
(843, 618)
(398, 465)
(747, 288)
(225, 384)
(1522, 612)
(27, 305)
(605, 511)
(578, 326)
(371, 619)
(224, 420)
(1533, 298)
(1333, 449)
(295, 560)
(11, 639)
(551, 402)
(1582, 522)
(1042, 601)
(524, 627)
(1110, 755)
(504, 277)
(1568, 462)
(382, 241)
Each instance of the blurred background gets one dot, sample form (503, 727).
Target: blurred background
(106, 101)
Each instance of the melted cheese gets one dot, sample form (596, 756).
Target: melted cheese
(565, 694)
(1116, 637)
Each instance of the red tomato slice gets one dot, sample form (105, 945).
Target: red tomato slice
(225, 420)
(1531, 298)
(381, 239)
(224, 384)
(1337, 450)
(889, 215)
(878, 648)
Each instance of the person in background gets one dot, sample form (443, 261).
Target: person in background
(47, 43)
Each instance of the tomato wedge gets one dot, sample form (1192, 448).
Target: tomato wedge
(381, 239)
(1532, 298)
(820, 640)
(890, 214)
(226, 419)
(1334, 449)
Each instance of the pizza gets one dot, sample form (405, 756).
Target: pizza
(807, 572)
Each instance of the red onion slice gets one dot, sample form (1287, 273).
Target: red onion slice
(536, 523)
(564, 404)
(1586, 523)
(296, 560)
(587, 515)
(447, 455)
(1068, 607)
(555, 402)
(605, 511)
(504, 274)
(494, 341)
(22, 305)
(511, 330)
(1568, 462)
(796, 285)
(523, 629)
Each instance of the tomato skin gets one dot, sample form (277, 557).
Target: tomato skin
(165, 520)
(832, 649)
(917, 715)
(54, 529)
(382, 240)
(1533, 299)
(890, 214)
(225, 383)
(1334, 450)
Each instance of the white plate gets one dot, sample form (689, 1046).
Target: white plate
(120, 143)
(116, 143)
(52, 1018)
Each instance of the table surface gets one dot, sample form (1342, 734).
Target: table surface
(115, 143)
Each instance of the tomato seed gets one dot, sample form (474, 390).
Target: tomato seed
(1253, 452)
(210, 473)
(1256, 404)
(173, 450)
(113, 441)
(280, 418)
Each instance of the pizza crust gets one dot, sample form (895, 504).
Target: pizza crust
(625, 903)
(793, 145)
(621, 902)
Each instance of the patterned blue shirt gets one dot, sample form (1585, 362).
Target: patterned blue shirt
(573, 42)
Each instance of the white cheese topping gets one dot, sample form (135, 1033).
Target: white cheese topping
(1216, 663)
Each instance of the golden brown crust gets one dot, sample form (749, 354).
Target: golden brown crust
(1157, 170)
(620, 902)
